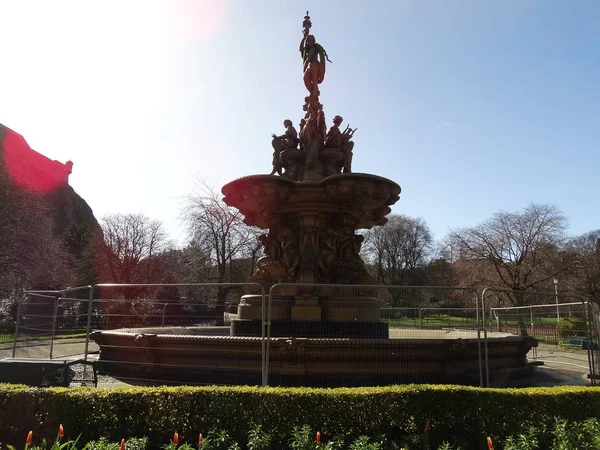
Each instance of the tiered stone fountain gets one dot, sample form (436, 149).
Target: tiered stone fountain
(311, 205)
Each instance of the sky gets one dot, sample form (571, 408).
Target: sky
(472, 106)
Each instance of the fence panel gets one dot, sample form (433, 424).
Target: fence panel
(33, 329)
(174, 334)
(373, 335)
(558, 324)
(50, 324)
(594, 339)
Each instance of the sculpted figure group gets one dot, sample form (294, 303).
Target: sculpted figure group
(300, 156)
(287, 141)
(307, 148)
(341, 140)
(329, 254)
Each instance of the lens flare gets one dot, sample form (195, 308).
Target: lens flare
(29, 169)
(197, 20)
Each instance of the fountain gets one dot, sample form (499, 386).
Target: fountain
(312, 204)
(324, 316)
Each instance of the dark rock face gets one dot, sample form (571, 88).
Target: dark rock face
(79, 230)
(38, 186)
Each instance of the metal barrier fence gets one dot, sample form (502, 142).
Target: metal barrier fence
(402, 333)
(59, 324)
(422, 324)
(45, 315)
(164, 320)
(562, 323)
(594, 314)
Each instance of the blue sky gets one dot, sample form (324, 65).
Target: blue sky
(471, 106)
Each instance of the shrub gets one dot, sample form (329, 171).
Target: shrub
(218, 440)
(523, 441)
(576, 435)
(570, 327)
(104, 444)
(258, 439)
(365, 443)
(302, 438)
(460, 415)
(563, 435)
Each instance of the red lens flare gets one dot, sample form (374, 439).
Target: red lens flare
(29, 169)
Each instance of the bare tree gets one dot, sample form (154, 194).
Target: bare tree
(134, 247)
(518, 251)
(30, 253)
(399, 250)
(219, 235)
(586, 269)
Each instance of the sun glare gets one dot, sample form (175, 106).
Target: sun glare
(78, 64)
(196, 19)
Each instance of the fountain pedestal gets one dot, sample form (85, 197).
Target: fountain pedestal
(312, 240)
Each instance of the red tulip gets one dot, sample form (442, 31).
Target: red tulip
(200, 439)
(427, 426)
(29, 438)
(61, 431)
(175, 439)
(122, 447)
(490, 443)
(318, 437)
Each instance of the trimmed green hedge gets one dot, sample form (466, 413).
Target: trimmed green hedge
(464, 412)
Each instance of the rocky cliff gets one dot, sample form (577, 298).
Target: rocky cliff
(37, 186)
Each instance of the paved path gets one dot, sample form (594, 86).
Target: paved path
(63, 348)
(560, 368)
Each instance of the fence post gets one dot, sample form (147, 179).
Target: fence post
(89, 324)
(531, 321)
(56, 299)
(594, 313)
(163, 315)
(268, 334)
(534, 349)
(479, 328)
(485, 342)
(14, 349)
(263, 331)
(589, 325)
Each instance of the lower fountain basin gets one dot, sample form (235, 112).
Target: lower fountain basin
(206, 355)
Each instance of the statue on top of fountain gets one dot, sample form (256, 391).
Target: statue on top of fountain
(287, 141)
(321, 153)
(342, 141)
(314, 57)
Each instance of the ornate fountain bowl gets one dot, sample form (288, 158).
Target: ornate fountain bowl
(358, 200)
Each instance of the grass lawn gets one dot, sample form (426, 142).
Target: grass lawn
(444, 320)
(432, 322)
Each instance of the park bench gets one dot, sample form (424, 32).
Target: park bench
(574, 342)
